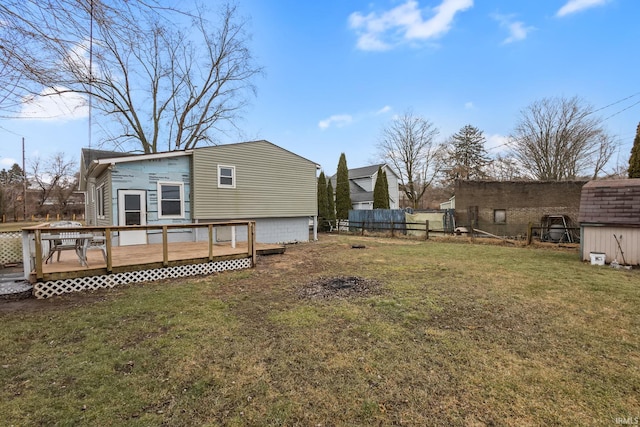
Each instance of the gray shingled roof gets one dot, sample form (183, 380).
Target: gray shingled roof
(613, 202)
(90, 154)
(362, 172)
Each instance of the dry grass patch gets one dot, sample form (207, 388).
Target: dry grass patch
(455, 334)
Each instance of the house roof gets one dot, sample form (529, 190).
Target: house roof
(364, 172)
(90, 154)
(359, 194)
(611, 202)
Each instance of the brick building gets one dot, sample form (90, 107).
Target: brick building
(505, 208)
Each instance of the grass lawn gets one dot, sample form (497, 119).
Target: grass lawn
(15, 226)
(457, 334)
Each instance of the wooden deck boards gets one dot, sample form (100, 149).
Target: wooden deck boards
(136, 255)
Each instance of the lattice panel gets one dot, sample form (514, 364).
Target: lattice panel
(10, 247)
(59, 287)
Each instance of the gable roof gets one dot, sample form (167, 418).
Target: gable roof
(364, 172)
(614, 202)
(88, 156)
(91, 154)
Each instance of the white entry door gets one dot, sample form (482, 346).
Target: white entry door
(132, 210)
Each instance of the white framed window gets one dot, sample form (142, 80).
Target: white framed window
(170, 200)
(100, 208)
(226, 176)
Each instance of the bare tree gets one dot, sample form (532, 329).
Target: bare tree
(11, 192)
(560, 139)
(167, 88)
(56, 179)
(504, 168)
(408, 145)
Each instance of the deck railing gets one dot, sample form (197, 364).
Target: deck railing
(34, 256)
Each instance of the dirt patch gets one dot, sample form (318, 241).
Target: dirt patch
(339, 287)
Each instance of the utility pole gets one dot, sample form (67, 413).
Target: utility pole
(24, 185)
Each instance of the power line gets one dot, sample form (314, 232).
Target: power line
(618, 112)
(616, 102)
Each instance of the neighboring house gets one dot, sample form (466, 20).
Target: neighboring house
(362, 182)
(610, 220)
(449, 204)
(505, 208)
(245, 181)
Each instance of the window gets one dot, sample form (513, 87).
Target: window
(226, 176)
(499, 216)
(170, 200)
(100, 211)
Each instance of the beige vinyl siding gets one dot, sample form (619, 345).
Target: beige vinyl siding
(269, 182)
(105, 179)
(600, 239)
(90, 205)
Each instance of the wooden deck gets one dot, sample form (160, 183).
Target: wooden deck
(140, 257)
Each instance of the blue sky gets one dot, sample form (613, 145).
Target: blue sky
(336, 73)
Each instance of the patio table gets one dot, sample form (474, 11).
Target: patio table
(78, 242)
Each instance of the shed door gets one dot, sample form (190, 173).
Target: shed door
(132, 210)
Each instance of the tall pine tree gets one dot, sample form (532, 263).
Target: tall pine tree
(343, 195)
(386, 190)
(634, 160)
(467, 157)
(379, 192)
(323, 208)
(331, 204)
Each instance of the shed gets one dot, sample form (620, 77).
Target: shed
(610, 220)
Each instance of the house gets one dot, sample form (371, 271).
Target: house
(610, 220)
(362, 182)
(255, 180)
(449, 204)
(505, 208)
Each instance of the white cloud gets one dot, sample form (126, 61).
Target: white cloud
(517, 29)
(469, 105)
(7, 161)
(573, 6)
(50, 106)
(497, 142)
(338, 120)
(383, 110)
(404, 23)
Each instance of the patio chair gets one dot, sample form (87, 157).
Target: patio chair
(99, 241)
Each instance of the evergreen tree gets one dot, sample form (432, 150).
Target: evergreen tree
(634, 160)
(323, 208)
(331, 214)
(343, 194)
(467, 157)
(386, 190)
(378, 191)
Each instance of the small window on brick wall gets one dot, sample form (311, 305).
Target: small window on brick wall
(499, 216)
